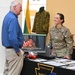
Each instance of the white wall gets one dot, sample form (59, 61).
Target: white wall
(4, 8)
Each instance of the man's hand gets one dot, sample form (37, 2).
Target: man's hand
(18, 53)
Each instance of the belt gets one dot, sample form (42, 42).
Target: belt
(9, 47)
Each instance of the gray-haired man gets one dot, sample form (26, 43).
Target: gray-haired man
(12, 40)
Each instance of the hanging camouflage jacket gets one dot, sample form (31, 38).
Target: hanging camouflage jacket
(41, 22)
(61, 41)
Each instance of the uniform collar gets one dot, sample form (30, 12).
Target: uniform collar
(59, 29)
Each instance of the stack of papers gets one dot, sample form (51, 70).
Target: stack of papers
(53, 63)
(64, 63)
(38, 60)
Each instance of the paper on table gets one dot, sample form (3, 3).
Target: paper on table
(72, 68)
(53, 63)
(38, 60)
(70, 62)
(61, 60)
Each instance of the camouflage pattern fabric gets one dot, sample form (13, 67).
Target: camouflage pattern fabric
(61, 41)
(41, 22)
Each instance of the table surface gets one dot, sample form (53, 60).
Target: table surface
(32, 67)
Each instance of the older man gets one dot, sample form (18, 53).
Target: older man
(12, 40)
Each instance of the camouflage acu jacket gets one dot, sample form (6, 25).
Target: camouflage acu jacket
(41, 22)
(61, 41)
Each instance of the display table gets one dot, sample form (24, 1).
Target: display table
(32, 67)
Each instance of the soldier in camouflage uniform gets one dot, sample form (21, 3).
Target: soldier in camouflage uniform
(60, 38)
(41, 22)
